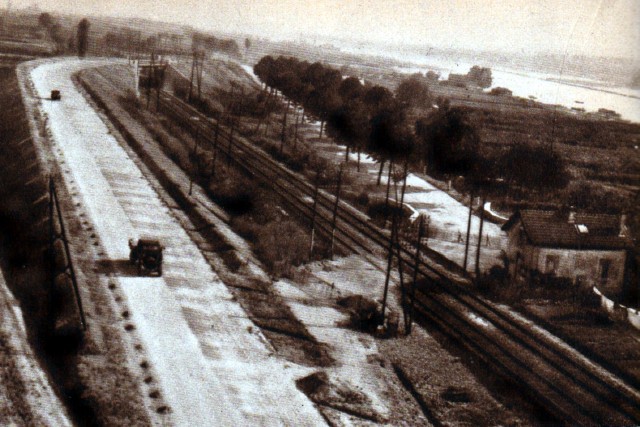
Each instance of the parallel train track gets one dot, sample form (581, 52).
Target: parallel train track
(572, 388)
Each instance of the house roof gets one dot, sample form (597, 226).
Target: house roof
(553, 229)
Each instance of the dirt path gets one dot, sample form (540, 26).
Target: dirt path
(212, 367)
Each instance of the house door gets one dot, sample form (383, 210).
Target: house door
(605, 270)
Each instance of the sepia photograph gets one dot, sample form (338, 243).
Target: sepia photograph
(319, 213)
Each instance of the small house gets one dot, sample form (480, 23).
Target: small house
(586, 249)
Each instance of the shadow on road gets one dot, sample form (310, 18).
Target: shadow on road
(119, 267)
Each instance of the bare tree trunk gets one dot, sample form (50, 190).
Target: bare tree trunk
(380, 172)
(358, 167)
(346, 157)
(265, 114)
(386, 200)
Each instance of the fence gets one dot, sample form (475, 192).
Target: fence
(617, 311)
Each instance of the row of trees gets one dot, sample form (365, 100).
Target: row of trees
(371, 118)
(364, 117)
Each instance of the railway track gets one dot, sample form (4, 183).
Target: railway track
(572, 388)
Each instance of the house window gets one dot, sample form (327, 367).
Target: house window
(551, 264)
(605, 269)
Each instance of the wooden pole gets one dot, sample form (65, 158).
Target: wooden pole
(335, 211)
(415, 274)
(389, 263)
(401, 274)
(193, 64)
(313, 214)
(215, 148)
(233, 127)
(386, 200)
(480, 238)
(466, 245)
(295, 137)
(283, 134)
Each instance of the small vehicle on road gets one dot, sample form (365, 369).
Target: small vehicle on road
(55, 95)
(146, 255)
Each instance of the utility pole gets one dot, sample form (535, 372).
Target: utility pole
(199, 74)
(233, 126)
(389, 263)
(416, 262)
(480, 237)
(283, 134)
(149, 74)
(401, 274)
(295, 136)
(313, 214)
(193, 64)
(335, 210)
(466, 245)
(159, 79)
(386, 200)
(194, 154)
(215, 148)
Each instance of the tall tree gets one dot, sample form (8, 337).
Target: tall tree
(413, 92)
(449, 142)
(350, 124)
(83, 37)
(536, 167)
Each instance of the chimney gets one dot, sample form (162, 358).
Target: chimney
(572, 217)
(623, 226)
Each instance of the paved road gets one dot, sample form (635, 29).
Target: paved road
(214, 368)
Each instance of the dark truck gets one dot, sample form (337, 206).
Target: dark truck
(146, 255)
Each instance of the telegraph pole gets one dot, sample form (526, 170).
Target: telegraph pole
(389, 263)
(480, 237)
(466, 245)
(335, 211)
(313, 215)
(416, 262)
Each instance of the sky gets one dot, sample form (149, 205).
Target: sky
(588, 27)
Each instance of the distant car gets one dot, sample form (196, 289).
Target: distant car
(147, 256)
(55, 95)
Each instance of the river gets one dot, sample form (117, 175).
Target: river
(566, 90)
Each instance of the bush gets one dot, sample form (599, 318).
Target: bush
(364, 314)
(363, 198)
(282, 245)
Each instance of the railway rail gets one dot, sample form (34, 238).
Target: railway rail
(571, 387)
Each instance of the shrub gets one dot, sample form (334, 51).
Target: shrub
(281, 245)
(364, 314)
